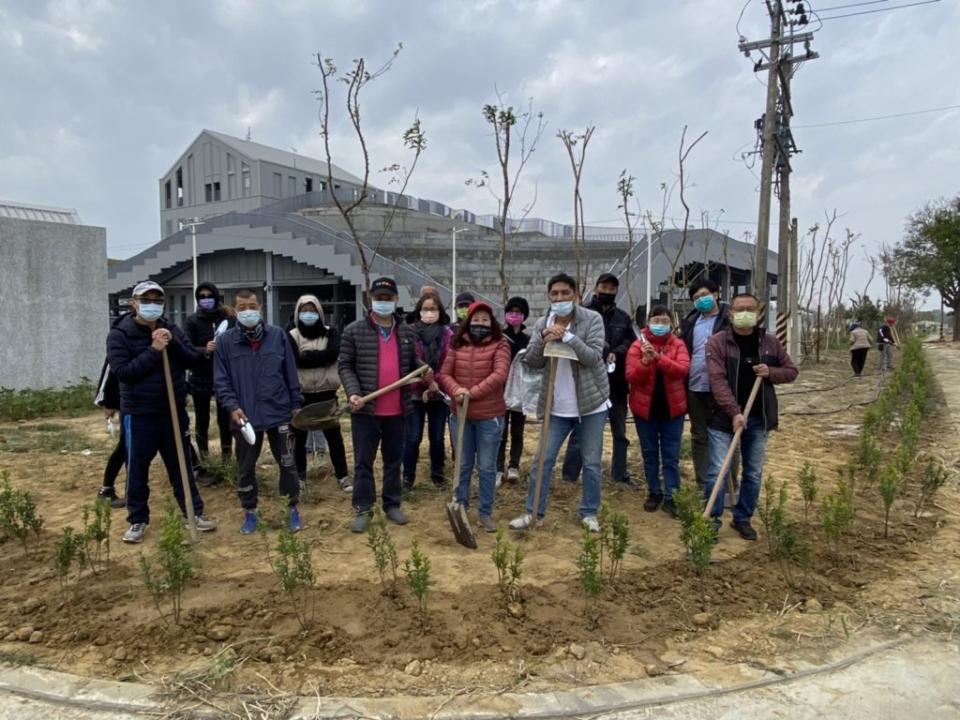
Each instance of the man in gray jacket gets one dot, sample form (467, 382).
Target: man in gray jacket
(581, 396)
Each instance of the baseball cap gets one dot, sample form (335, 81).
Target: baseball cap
(608, 278)
(464, 298)
(383, 284)
(145, 287)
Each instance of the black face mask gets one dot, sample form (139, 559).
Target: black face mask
(607, 299)
(479, 332)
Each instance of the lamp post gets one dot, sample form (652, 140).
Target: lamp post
(193, 237)
(453, 282)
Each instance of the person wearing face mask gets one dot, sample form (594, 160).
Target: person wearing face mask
(708, 317)
(201, 329)
(461, 307)
(657, 366)
(619, 335)
(376, 351)
(135, 347)
(736, 357)
(477, 367)
(581, 397)
(433, 336)
(255, 377)
(516, 311)
(316, 348)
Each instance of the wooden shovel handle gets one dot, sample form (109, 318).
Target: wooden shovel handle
(402, 382)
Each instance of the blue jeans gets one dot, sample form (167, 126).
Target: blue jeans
(660, 444)
(588, 433)
(481, 441)
(618, 460)
(753, 445)
(434, 415)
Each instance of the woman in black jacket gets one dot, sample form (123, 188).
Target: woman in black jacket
(516, 311)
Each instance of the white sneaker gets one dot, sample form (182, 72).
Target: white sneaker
(205, 524)
(513, 474)
(590, 523)
(135, 533)
(524, 522)
(499, 479)
(345, 483)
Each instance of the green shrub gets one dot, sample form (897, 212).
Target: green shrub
(589, 574)
(807, 480)
(293, 566)
(889, 487)
(508, 560)
(696, 531)
(934, 477)
(836, 514)
(384, 551)
(784, 543)
(96, 533)
(18, 513)
(73, 400)
(418, 576)
(67, 551)
(175, 565)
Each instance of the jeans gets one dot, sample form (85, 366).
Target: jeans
(753, 445)
(858, 358)
(281, 442)
(886, 356)
(660, 444)
(618, 462)
(201, 411)
(513, 424)
(587, 432)
(699, 408)
(370, 432)
(434, 415)
(481, 441)
(117, 458)
(146, 436)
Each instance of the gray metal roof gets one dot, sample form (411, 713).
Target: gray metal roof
(42, 213)
(256, 151)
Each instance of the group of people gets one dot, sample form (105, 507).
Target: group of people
(860, 345)
(438, 375)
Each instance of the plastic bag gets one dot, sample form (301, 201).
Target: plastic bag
(522, 393)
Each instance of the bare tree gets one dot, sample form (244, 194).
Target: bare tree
(625, 192)
(509, 128)
(571, 141)
(413, 139)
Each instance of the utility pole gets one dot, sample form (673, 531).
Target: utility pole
(453, 280)
(193, 238)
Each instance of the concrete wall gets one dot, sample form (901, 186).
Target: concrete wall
(53, 303)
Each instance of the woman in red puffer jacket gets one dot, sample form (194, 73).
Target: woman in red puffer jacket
(657, 366)
(476, 366)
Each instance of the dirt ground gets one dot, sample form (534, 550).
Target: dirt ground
(659, 618)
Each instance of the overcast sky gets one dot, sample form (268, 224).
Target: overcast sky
(100, 97)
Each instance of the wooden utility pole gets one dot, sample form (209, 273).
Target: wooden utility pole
(796, 320)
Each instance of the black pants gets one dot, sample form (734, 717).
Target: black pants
(281, 447)
(338, 452)
(858, 359)
(513, 424)
(434, 415)
(117, 458)
(370, 432)
(146, 436)
(201, 409)
(573, 463)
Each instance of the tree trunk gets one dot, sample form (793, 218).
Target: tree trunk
(956, 322)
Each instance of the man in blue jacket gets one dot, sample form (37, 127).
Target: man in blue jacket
(255, 378)
(135, 347)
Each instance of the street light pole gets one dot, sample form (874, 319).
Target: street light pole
(193, 237)
(453, 282)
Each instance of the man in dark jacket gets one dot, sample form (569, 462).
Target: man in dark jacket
(135, 348)
(619, 336)
(255, 377)
(375, 351)
(516, 311)
(735, 359)
(886, 342)
(201, 328)
(708, 317)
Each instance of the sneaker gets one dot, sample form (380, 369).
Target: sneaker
(250, 522)
(345, 483)
(590, 523)
(204, 524)
(653, 502)
(486, 523)
(135, 534)
(295, 523)
(745, 529)
(669, 507)
(108, 494)
(396, 516)
(524, 522)
(360, 522)
(499, 479)
(513, 474)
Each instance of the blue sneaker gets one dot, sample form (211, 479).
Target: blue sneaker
(295, 524)
(250, 523)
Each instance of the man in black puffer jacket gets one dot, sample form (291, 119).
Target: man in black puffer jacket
(201, 329)
(135, 348)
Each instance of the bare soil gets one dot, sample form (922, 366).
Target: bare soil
(658, 618)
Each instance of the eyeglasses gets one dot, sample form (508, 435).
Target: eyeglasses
(150, 301)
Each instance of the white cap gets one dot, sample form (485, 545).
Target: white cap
(145, 287)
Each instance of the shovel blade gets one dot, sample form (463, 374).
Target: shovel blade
(460, 524)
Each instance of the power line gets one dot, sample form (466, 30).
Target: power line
(880, 117)
(857, 4)
(886, 9)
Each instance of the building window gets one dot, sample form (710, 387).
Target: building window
(308, 184)
(216, 192)
(208, 192)
(231, 163)
(167, 195)
(291, 186)
(192, 195)
(231, 186)
(277, 185)
(245, 178)
(179, 187)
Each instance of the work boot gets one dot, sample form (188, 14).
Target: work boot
(487, 524)
(653, 502)
(360, 522)
(669, 507)
(745, 529)
(108, 494)
(396, 516)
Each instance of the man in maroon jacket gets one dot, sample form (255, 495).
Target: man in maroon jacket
(735, 358)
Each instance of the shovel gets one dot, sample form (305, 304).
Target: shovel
(731, 450)
(457, 513)
(178, 441)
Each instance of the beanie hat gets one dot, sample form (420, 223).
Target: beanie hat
(520, 304)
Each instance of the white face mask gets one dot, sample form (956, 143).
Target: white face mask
(429, 317)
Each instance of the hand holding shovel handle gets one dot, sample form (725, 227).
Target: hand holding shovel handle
(402, 382)
(542, 445)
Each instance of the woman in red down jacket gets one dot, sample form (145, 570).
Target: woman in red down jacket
(657, 366)
(476, 366)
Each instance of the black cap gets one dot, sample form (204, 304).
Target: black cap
(464, 298)
(384, 284)
(609, 278)
(520, 304)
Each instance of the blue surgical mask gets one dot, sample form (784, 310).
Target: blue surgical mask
(562, 309)
(248, 318)
(150, 313)
(659, 330)
(207, 303)
(309, 318)
(384, 308)
(705, 304)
